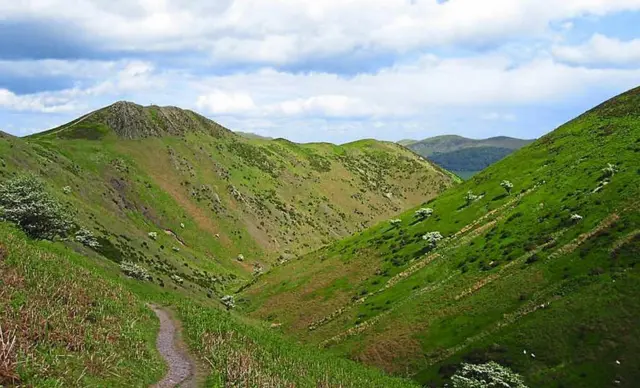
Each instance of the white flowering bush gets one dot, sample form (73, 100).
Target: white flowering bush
(470, 197)
(25, 202)
(395, 222)
(257, 269)
(66, 190)
(432, 238)
(85, 237)
(240, 257)
(576, 217)
(177, 279)
(507, 186)
(228, 301)
(424, 213)
(610, 170)
(153, 235)
(489, 375)
(175, 249)
(135, 271)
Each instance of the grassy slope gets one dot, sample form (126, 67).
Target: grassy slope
(266, 200)
(78, 322)
(513, 274)
(288, 199)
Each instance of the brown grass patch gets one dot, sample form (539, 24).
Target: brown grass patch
(8, 360)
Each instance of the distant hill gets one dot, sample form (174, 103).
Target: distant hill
(251, 135)
(406, 142)
(464, 156)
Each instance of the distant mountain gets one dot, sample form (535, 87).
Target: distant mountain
(251, 135)
(465, 156)
(4, 135)
(406, 142)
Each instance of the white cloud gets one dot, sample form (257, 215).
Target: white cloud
(220, 102)
(325, 105)
(288, 31)
(46, 103)
(601, 50)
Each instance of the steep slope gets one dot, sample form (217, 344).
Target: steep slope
(543, 278)
(465, 156)
(191, 200)
(74, 321)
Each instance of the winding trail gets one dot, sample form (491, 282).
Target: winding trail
(182, 368)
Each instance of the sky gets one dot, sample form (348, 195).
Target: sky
(321, 70)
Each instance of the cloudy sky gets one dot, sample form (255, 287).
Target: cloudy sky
(321, 70)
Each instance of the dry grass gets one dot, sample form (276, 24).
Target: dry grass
(8, 361)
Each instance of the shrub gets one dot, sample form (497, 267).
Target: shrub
(135, 271)
(489, 375)
(228, 301)
(432, 238)
(177, 279)
(610, 170)
(396, 222)
(576, 217)
(424, 213)
(86, 238)
(66, 190)
(153, 235)
(507, 186)
(470, 197)
(25, 202)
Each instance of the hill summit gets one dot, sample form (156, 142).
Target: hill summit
(128, 120)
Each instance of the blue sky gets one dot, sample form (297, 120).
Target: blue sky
(322, 70)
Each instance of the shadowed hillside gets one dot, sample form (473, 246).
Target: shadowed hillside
(532, 263)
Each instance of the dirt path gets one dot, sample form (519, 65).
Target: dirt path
(182, 369)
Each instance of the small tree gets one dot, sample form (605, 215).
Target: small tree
(507, 186)
(228, 301)
(576, 217)
(424, 213)
(610, 170)
(25, 202)
(396, 222)
(432, 238)
(153, 235)
(85, 237)
(489, 375)
(135, 271)
(470, 197)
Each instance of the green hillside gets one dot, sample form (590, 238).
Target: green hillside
(162, 205)
(542, 278)
(464, 156)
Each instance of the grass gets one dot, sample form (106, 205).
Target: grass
(64, 325)
(78, 320)
(69, 320)
(420, 312)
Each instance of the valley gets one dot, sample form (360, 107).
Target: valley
(287, 264)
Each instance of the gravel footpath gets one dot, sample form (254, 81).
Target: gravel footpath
(181, 366)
